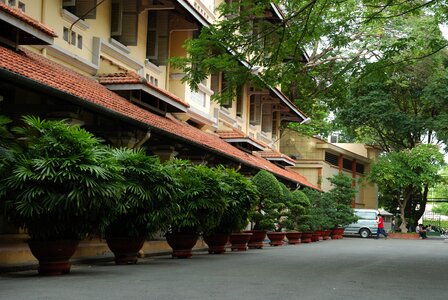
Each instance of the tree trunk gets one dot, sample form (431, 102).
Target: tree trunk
(424, 199)
(402, 204)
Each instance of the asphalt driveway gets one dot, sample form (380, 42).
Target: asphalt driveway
(351, 268)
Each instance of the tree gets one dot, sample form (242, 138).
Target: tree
(407, 175)
(268, 209)
(341, 197)
(313, 49)
(399, 107)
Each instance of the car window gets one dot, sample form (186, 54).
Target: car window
(366, 215)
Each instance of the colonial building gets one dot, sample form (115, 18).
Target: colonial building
(318, 160)
(104, 65)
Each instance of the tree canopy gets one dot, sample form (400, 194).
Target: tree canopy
(312, 48)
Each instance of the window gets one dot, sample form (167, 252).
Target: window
(274, 124)
(366, 215)
(198, 97)
(158, 37)
(79, 41)
(84, 9)
(21, 6)
(73, 38)
(239, 102)
(360, 168)
(124, 24)
(331, 158)
(255, 109)
(65, 34)
(12, 2)
(347, 164)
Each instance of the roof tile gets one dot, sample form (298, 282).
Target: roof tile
(27, 19)
(44, 71)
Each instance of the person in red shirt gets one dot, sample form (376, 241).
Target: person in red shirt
(380, 230)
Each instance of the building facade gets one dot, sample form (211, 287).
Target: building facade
(104, 65)
(318, 160)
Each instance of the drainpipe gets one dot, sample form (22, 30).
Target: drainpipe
(43, 17)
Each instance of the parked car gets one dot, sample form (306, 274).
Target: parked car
(366, 224)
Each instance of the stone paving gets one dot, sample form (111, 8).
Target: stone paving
(351, 268)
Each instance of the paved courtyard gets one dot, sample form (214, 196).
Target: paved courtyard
(351, 268)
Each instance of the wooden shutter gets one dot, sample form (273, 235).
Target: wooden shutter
(162, 36)
(64, 3)
(116, 18)
(84, 6)
(151, 39)
(129, 24)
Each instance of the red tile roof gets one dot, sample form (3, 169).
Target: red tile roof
(129, 77)
(42, 70)
(238, 134)
(275, 154)
(27, 19)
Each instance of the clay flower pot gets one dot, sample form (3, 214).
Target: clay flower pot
(53, 256)
(182, 244)
(327, 234)
(306, 237)
(257, 239)
(125, 249)
(293, 237)
(337, 233)
(239, 241)
(217, 242)
(276, 238)
(315, 236)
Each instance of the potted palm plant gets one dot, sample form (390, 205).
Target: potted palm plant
(200, 204)
(240, 196)
(144, 206)
(268, 210)
(61, 187)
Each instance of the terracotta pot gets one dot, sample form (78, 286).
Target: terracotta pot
(293, 237)
(125, 249)
(326, 235)
(53, 256)
(315, 236)
(337, 233)
(182, 244)
(276, 238)
(239, 241)
(257, 239)
(217, 242)
(306, 237)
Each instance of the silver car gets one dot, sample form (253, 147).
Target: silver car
(366, 225)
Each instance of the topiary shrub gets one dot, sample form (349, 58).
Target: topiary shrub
(268, 208)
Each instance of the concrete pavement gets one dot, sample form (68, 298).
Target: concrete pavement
(351, 268)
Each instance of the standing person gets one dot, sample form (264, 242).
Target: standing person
(380, 230)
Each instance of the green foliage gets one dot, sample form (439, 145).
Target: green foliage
(63, 184)
(314, 50)
(406, 173)
(319, 212)
(240, 195)
(441, 208)
(269, 209)
(298, 206)
(341, 197)
(399, 106)
(145, 205)
(200, 197)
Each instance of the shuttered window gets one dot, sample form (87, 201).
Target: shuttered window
(158, 37)
(85, 9)
(331, 158)
(124, 21)
(347, 164)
